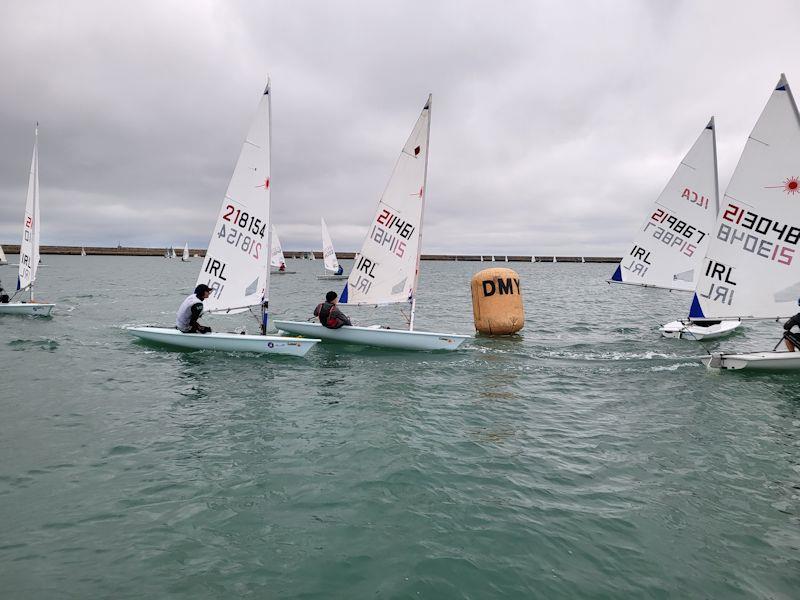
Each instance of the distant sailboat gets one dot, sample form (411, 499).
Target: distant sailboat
(331, 264)
(29, 248)
(555, 260)
(3, 259)
(83, 251)
(185, 255)
(277, 258)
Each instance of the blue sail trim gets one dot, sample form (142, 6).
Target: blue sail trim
(696, 311)
(343, 297)
(617, 276)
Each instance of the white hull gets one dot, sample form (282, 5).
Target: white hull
(26, 308)
(689, 331)
(768, 361)
(283, 272)
(227, 342)
(399, 339)
(332, 277)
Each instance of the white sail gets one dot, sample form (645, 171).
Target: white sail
(386, 269)
(29, 249)
(752, 265)
(3, 259)
(185, 255)
(668, 249)
(328, 253)
(276, 253)
(83, 251)
(235, 266)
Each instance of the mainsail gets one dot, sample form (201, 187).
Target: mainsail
(386, 269)
(29, 249)
(235, 265)
(276, 253)
(668, 249)
(752, 268)
(3, 259)
(185, 255)
(328, 254)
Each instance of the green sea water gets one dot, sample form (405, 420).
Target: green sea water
(585, 458)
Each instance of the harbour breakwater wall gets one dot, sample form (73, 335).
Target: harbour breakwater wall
(135, 251)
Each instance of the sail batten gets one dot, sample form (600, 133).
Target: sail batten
(751, 268)
(385, 270)
(235, 265)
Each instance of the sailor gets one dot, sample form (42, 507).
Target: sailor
(792, 338)
(282, 268)
(329, 314)
(191, 309)
(4, 299)
(340, 270)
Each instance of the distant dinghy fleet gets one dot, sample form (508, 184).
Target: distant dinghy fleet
(737, 257)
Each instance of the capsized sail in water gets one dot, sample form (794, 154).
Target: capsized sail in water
(386, 270)
(236, 265)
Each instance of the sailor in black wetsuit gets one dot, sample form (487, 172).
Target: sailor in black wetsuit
(329, 314)
(792, 338)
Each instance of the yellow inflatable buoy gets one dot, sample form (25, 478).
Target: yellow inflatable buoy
(497, 302)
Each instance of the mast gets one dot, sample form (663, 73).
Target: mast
(422, 216)
(713, 129)
(265, 300)
(35, 225)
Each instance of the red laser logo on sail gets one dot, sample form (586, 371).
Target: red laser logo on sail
(791, 185)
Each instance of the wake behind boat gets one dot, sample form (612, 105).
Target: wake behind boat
(386, 270)
(29, 248)
(236, 266)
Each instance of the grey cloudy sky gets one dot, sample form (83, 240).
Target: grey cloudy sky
(554, 123)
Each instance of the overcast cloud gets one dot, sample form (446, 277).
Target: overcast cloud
(554, 124)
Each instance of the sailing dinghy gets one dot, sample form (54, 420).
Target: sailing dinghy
(386, 270)
(329, 256)
(29, 248)
(3, 259)
(83, 251)
(185, 255)
(277, 258)
(752, 268)
(668, 250)
(236, 266)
